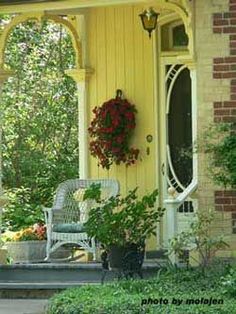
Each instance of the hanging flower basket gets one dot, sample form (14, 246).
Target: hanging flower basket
(111, 131)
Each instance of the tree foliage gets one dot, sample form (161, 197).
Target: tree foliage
(39, 106)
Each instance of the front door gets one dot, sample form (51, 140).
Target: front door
(176, 121)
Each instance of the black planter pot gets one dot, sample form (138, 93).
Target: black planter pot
(116, 256)
(127, 259)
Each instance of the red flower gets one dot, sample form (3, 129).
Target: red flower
(120, 139)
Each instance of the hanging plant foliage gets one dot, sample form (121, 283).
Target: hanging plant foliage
(111, 131)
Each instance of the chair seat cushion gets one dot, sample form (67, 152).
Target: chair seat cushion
(69, 228)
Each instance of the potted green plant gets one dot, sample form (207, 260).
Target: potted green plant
(3, 252)
(27, 244)
(122, 224)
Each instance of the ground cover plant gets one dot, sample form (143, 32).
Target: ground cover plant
(188, 287)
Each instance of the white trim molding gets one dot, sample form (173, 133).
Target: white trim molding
(81, 78)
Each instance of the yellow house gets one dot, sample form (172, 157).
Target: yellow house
(180, 80)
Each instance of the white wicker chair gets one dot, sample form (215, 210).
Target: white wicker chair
(65, 219)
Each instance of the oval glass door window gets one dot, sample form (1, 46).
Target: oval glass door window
(180, 128)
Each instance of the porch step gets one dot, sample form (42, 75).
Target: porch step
(44, 279)
(44, 290)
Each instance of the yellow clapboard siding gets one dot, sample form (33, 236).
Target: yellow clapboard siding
(139, 96)
(131, 172)
(110, 66)
(92, 59)
(120, 78)
(123, 58)
(148, 119)
(101, 67)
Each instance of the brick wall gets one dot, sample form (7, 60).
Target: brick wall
(224, 68)
(224, 24)
(225, 200)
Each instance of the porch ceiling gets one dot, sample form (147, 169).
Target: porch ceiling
(20, 6)
(182, 8)
(58, 5)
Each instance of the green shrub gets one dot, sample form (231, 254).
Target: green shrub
(220, 144)
(20, 212)
(229, 283)
(126, 297)
(199, 238)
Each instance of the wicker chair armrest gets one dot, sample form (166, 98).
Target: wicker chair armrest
(47, 209)
(50, 210)
(47, 214)
(50, 213)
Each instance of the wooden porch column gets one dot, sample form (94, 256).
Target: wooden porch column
(4, 75)
(81, 77)
(171, 205)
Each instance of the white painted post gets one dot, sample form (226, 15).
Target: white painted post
(81, 77)
(171, 220)
(194, 119)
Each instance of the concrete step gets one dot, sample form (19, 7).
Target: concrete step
(61, 272)
(44, 290)
(44, 279)
(51, 272)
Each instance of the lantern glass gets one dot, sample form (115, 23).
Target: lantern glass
(149, 20)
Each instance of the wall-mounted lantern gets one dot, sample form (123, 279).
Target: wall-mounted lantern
(149, 20)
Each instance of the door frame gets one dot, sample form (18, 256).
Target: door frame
(162, 126)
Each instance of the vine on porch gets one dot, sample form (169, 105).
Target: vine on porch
(111, 130)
